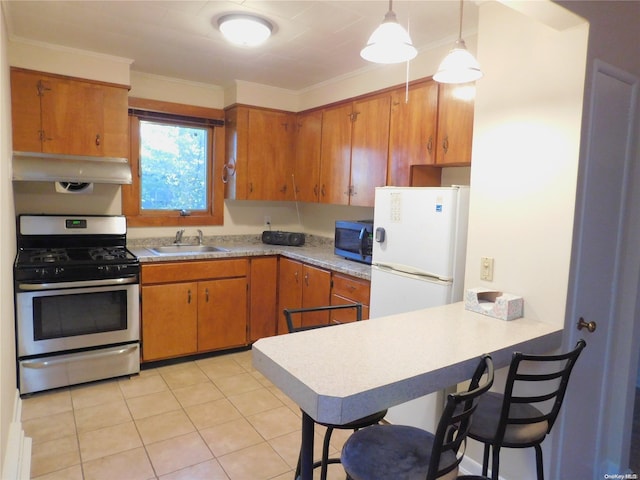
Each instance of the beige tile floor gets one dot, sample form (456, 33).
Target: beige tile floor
(213, 419)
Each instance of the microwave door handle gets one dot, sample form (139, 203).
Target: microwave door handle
(363, 232)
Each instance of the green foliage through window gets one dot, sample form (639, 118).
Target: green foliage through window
(173, 161)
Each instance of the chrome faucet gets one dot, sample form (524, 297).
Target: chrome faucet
(200, 237)
(179, 234)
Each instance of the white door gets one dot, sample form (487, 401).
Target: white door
(591, 439)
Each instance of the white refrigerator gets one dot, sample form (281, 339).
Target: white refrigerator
(419, 250)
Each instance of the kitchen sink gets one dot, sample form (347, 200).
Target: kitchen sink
(185, 249)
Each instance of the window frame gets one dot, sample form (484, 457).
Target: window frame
(167, 112)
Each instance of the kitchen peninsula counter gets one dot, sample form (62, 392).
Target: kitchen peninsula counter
(397, 358)
(317, 251)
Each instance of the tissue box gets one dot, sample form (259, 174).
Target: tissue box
(504, 306)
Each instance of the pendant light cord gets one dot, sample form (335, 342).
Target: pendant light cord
(460, 29)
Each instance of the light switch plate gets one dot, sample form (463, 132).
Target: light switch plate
(486, 268)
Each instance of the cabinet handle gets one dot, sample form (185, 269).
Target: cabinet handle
(206, 294)
(315, 190)
(430, 144)
(97, 139)
(283, 189)
(296, 275)
(41, 87)
(223, 176)
(189, 296)
(445, 144)
(306, 279)
(250, 187)
(323, 191)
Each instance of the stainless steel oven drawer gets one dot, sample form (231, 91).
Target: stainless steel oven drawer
(61, 370)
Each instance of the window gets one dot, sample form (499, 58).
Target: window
(173, 159)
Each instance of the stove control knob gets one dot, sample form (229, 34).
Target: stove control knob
(58, 271)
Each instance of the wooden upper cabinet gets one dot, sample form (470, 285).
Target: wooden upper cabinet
(412, 136)
(259, 163)
(63, 115)
(308, 143)
(355, 141)
(335, 159)
(369, 148)
(455, 124)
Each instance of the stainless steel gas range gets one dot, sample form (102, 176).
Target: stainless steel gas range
(77, 301)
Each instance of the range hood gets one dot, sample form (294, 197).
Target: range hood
(46, 167)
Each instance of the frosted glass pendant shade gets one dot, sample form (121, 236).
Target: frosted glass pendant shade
(459, 66)
(389, 43)
(245, 30)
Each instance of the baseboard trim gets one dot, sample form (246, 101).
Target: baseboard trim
(17, 459)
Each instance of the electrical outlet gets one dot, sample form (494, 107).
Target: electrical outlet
(267, 220)
(486, 268)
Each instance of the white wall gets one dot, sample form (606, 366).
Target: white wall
(7, 250)
(525, 159)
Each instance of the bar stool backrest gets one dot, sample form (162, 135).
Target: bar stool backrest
(289, 314)
(453, 427)
(544, 387)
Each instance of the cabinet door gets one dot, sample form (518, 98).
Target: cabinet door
(289, 291)
(169, 326)
(307, 156)
(263, 298)
(335, 158)
(316, 292)
(234, 174)
(369, 149)
(346, 290)
(72, 117)
(115, 139)
(222, 313)
(455, 124)
(270, 155)
(412, 131)
(25, 111)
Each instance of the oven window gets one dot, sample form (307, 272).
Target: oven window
(69, 315)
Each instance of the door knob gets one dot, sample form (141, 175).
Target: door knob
(591, 326)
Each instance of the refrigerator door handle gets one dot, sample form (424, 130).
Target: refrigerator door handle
(398, 267)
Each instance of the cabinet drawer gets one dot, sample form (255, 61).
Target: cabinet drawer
(188, 271)
(353, 288)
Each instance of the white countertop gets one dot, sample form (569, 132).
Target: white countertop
(345, 372)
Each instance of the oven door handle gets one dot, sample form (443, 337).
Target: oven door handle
(38, 363)
(81, 283)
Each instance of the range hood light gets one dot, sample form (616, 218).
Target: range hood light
(46, 167)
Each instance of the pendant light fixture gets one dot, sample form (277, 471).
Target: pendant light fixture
(459, 66)
(245, 30)
(390, 42)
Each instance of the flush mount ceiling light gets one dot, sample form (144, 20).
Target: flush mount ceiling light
(459, 66)
(389, 43)
(245, 30)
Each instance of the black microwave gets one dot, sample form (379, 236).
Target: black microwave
(354, 240)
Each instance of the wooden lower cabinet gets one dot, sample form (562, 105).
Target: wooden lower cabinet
(169, 320)
(222, 318)
(191, 307)
(345, 290)
(302, 286)
(263, 297)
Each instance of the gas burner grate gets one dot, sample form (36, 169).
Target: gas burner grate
(49, 255)
(107, 253)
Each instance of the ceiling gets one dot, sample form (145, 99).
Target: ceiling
(314, 41)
